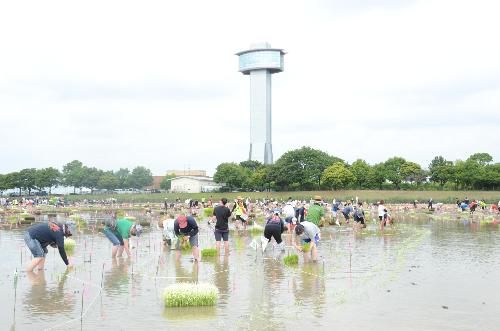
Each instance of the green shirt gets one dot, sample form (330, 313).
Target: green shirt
(123, 226)
(314, 214)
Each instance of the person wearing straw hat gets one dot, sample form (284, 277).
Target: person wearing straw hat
(316, 213)
(240, 211)
(39, 236)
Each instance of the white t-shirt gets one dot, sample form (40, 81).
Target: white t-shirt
(310, 230)
(168, 228)
(381, 211)
(289, 211)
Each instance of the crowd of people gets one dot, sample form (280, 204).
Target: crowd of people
(300, 219)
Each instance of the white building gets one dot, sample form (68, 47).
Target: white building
(193, 184)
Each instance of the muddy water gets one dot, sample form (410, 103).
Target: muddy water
(423, 274)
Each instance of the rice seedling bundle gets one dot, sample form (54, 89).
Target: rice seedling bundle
(208, 212)
(208, 252)
(306, 247)
(69, 246)
(291, 260)
(130, 218)
(190, 295)
(12, 219)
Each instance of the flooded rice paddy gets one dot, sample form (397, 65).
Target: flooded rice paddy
(424, 274)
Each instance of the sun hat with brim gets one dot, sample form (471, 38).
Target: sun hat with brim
(317, 198)
(182, 220)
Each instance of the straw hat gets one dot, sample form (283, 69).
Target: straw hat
(317, 198)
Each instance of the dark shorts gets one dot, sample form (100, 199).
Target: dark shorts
(273, 231)
(34, 245)
(316, 240)
(115, 238)
(359, 219)
(346, 216)
(221, 235)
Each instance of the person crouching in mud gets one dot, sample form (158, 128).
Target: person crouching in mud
(274, 228)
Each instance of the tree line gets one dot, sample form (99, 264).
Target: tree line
(306, 169)
(76, 175)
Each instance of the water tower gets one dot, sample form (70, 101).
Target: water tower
(260, 62)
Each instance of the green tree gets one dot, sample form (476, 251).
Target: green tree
(260, 179)
(166, 182)
(14, 181)
(251, 165)
(361, 170)
(73, 174)
(337, 176)
(393, 170)
(91, 177)
(377, 176)
(480, 159)
(441, 170)
(303, 166)
(140, 177)
(47, 178)
(27, 179)
(122, 176)
(108, 181)
(3, 183)
(232, 174)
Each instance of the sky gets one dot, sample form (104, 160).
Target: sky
(155, 83)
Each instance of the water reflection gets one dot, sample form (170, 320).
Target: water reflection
(181, 273)
(42, 299)
(117, 280)
(310, 290)
(221, 277)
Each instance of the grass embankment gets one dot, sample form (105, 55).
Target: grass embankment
(364, 195)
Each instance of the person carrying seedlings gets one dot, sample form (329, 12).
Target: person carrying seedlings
(316, 213)
(308, 233)
(186, 228)
(119, 233)
(39, 236)
(359, 216)
(274, 228)
(240, 211)
(221, 214)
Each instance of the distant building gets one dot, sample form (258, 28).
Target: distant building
(156, 183)
(193, 184)
(195, 173)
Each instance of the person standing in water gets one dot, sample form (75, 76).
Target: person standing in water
(240, 211)
(382, 215)
(39, 236)
(221, 214)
